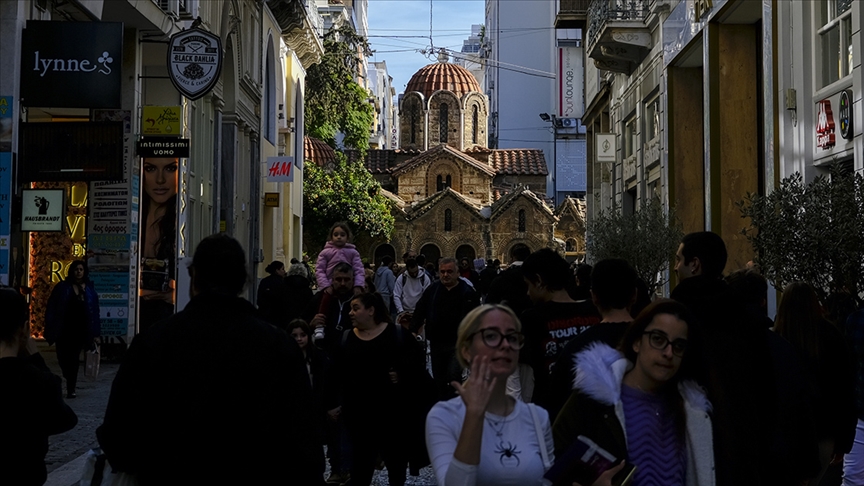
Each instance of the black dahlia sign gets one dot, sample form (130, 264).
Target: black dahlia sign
(194, 62)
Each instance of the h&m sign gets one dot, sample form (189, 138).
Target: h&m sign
(71, 64)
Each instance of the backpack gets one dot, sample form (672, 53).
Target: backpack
(422, 276)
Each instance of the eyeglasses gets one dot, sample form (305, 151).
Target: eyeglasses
(659, 341)
(493, 338)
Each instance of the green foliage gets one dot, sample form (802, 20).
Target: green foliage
(810, 232)
(647, 239)
(334, 100)
(348, 192)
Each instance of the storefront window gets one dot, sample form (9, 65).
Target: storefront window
(835, 39)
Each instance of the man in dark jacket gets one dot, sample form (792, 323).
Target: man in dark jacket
(32, 406)
(509, 288)
(737, 364)
(440, 310)
(334, 318)
(213, 395)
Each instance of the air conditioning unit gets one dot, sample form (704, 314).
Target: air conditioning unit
(567, 122)
(170, 7)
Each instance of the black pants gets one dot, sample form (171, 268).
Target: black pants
(369, 439)
(338, 446)
(445, 369)
(68, 356)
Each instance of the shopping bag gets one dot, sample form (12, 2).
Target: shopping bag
(91, 364)
(97, 472)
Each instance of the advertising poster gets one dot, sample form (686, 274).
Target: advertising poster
(42, 210)
(109, 236)
(6, 110)
(158, 235)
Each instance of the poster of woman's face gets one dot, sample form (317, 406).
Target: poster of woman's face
(158, 228)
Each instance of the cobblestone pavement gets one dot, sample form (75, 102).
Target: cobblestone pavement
(89, 406)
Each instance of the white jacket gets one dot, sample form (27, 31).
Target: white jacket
(599, 373)
(408, 290)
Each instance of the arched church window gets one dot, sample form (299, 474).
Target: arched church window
(439, 183)
(442, 123)
(448, 220)
(449, 181)
(521, 220)
(475, 119)
(414, 124)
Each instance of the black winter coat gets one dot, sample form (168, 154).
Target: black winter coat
(213, 395)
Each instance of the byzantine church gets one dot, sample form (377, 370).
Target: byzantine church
(450, 194)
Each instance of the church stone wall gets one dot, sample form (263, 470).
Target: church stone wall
(412, 106)
(536, 183)
(454, 119)
(472, 100)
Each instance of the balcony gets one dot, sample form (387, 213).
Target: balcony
(617, 37)
(572, 14)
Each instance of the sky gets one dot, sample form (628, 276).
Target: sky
(399, 28)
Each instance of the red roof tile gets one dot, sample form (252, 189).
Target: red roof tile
(318, 152)
(443, 75)
(519, 161)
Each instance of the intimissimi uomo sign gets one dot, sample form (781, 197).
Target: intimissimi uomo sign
(71, 64)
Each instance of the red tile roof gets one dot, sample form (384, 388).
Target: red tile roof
(380, 161)
(318, 152)
(518, 161)
(443, 75)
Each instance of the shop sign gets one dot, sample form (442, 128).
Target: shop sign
(280, 169)
(825, 125)
(194, 62)
(605, 147)
(161, 121)
(71, 64)
(271, 199)
(6, 105)
(570, 82)
(42, 210)
(846, 130)
(163, 147)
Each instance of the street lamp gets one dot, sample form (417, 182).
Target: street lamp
(546, 117)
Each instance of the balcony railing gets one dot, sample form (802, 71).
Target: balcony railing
(572, 14)
(601, 12)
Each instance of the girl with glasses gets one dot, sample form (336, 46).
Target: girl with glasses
(484, 436)
(640, 404)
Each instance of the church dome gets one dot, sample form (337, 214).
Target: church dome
(443, 75)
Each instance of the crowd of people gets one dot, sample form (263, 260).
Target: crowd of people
(530, 367)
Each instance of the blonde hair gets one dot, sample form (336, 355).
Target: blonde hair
(471, 323)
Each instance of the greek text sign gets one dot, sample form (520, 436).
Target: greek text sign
(42, 210)
(71, 64)
(161, 121)
(194, 62)
(280, 169)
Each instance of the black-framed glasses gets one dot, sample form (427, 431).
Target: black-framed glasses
(658, 340)
(493, 338)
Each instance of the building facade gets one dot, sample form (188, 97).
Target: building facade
(681, 105)
(133, 206)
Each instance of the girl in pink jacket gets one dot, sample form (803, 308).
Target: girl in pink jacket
(337, 250)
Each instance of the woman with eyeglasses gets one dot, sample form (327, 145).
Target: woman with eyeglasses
(639, 403)
(484, 436)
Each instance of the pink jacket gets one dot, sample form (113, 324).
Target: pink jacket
(332, 255)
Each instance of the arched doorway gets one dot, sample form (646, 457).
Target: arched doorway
(466, 251)
(431, 252)
(382, 250)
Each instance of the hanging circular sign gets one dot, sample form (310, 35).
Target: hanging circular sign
(846, 114)
(194, 62)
